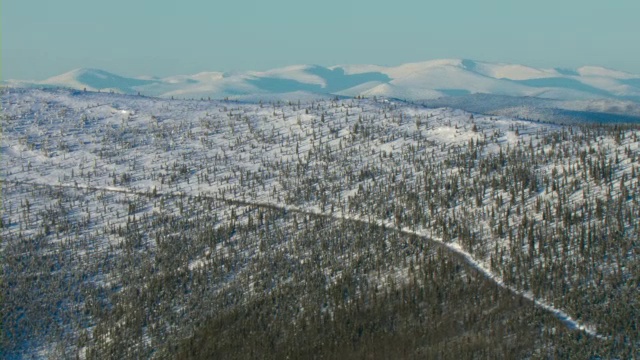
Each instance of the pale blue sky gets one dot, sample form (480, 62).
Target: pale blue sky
(42, 38)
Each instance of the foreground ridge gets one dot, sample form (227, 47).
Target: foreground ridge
(455, 248)
(472, 227)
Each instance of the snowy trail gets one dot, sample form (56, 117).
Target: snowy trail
(455, 248)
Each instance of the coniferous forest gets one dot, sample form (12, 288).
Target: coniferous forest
(136, 227)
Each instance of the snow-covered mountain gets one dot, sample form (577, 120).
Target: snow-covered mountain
(413, 81)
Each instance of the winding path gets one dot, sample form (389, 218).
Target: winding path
(454, 248)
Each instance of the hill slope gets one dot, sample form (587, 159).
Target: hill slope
(133, 225)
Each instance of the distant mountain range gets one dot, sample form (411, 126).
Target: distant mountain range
(512, 89)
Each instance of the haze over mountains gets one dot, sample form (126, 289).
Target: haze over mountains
(588, 93)
(413, 81)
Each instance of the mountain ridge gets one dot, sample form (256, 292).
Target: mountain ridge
(411, 81)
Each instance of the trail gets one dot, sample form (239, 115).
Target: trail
(454, 248)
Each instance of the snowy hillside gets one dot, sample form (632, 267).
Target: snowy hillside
(415, 81)
(135, 223)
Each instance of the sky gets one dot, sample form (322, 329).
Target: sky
(43, 38)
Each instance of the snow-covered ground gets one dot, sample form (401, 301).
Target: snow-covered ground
(361, 159)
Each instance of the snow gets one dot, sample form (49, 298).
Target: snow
(447, 77)
(412, 81)
(604, 72)
(481, 266)
(513, 71)
(298, 73)
(48, 135)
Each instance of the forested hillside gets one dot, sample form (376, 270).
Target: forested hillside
(140, 227)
